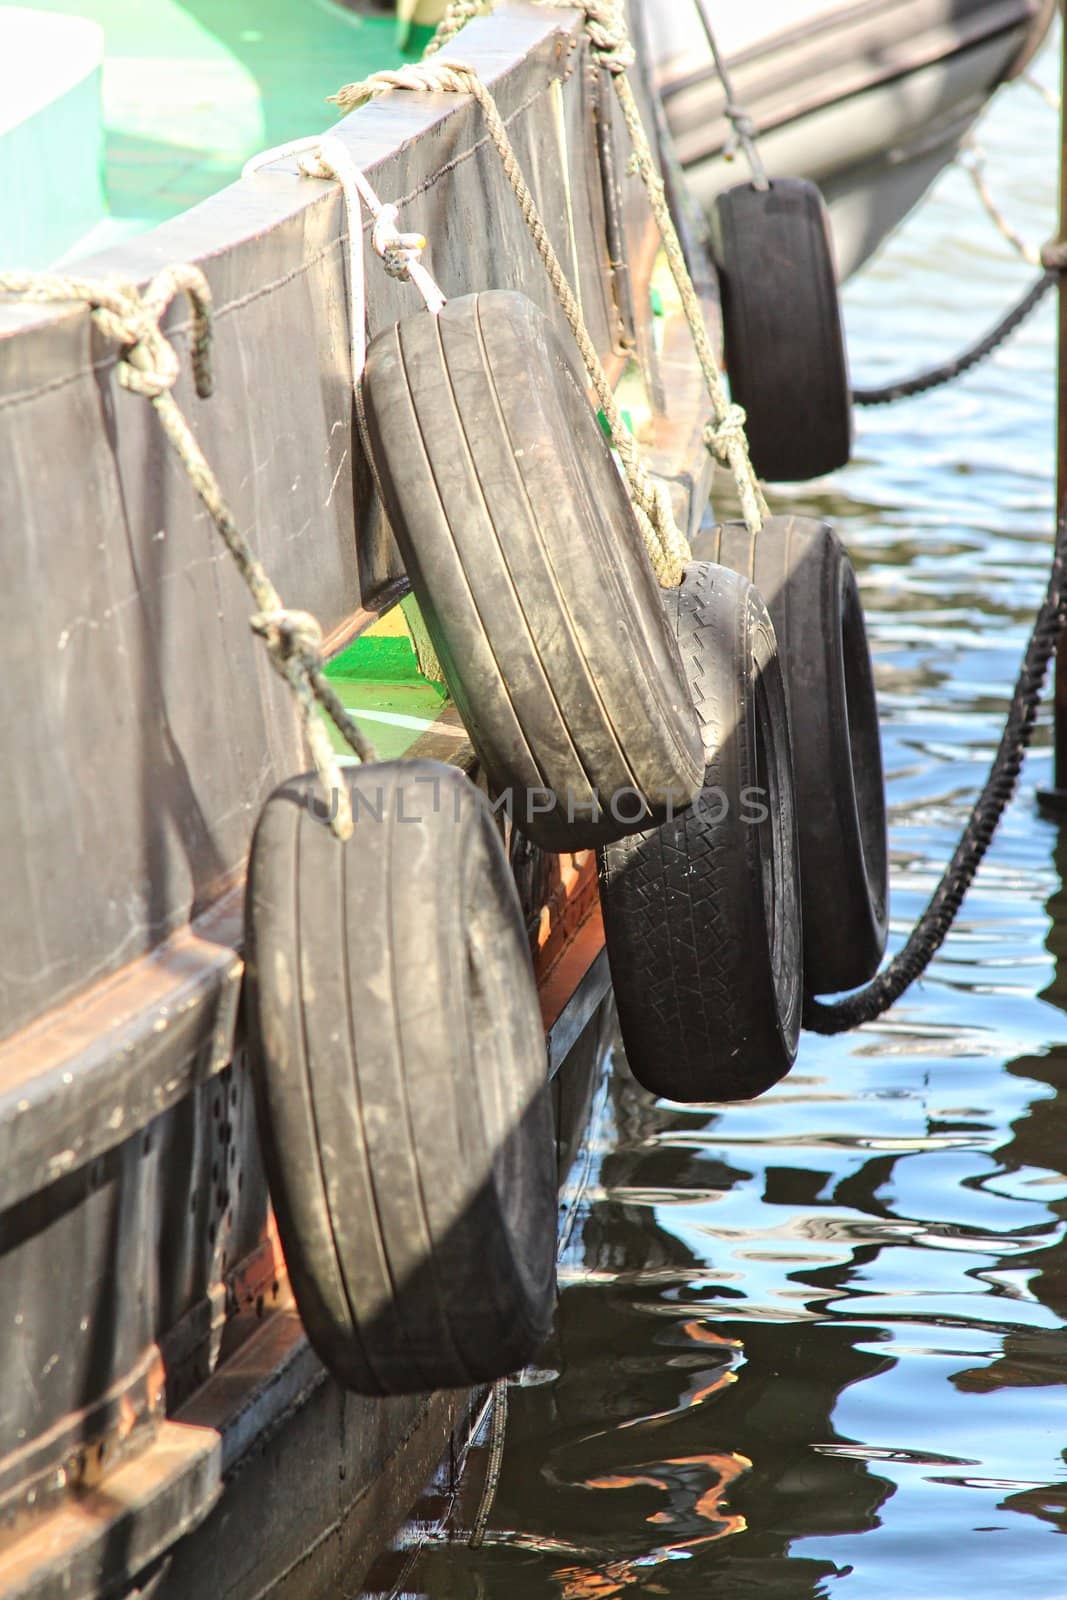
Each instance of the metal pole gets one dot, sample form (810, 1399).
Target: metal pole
(1060, 717)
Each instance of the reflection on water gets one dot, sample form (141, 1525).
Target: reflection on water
(817, 1344)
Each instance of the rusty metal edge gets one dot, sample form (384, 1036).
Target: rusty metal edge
(590, 993)
(170, 1487)
(83, 1079)
(146, 1505)
(65, 1102)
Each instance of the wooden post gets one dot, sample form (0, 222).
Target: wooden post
(1054, 800)
(1060, 779)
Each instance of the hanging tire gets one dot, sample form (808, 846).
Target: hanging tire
(399, 1061)
(702, 915)
(528, 564)
(784, 342)
(805, 576)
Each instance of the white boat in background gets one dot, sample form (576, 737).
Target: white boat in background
(870, 100)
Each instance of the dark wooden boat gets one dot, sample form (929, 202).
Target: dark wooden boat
(165, 1427)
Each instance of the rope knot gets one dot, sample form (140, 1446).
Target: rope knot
(293, 638)
(1054, 255)
(729, 432)
(149, 364)
(742, 130)
(431, 77)
(609, 35)
(399, 251)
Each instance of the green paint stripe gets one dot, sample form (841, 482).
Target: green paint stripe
(390, 660)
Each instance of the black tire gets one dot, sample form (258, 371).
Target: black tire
(528, 565)
(702, 916)
(399, 1061)
(783, 336)
(804, 574)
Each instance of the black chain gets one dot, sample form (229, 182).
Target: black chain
(930, 931)
(934, 377)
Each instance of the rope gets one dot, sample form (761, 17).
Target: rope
(971, 160)
(744, 131)
(401, 253)
(609, 36)
(1052, 258)
(497, 1439)
(613, 49)
(1049, 96)
(933, 926)
(667, 547)
(457, 14)
(935, 377)
(149, 366)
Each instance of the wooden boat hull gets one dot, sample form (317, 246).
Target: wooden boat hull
(159, 1393)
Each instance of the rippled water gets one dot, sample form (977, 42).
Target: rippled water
(816, 1345)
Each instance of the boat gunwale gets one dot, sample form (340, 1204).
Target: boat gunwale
(1028, 11)
(878, 75)
(376, 133)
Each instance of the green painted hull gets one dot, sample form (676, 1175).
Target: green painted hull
(188, 92)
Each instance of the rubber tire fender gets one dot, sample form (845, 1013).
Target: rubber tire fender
(784, 341)
(400, 1070)
(702, 915)
(527, 561)
(804, 574)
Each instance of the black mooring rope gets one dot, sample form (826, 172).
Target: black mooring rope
(929, 933)
(934, 377)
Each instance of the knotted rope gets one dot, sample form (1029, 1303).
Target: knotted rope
(326, 156)
(457, 14)
(613, 49)
(743, 131)
(609, 36)
(149, 366)
(667, 547)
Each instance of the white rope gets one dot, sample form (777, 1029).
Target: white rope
(401, 253)
(668, 549)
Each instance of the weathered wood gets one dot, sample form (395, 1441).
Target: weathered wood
(142, 727)
(80, 1081)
